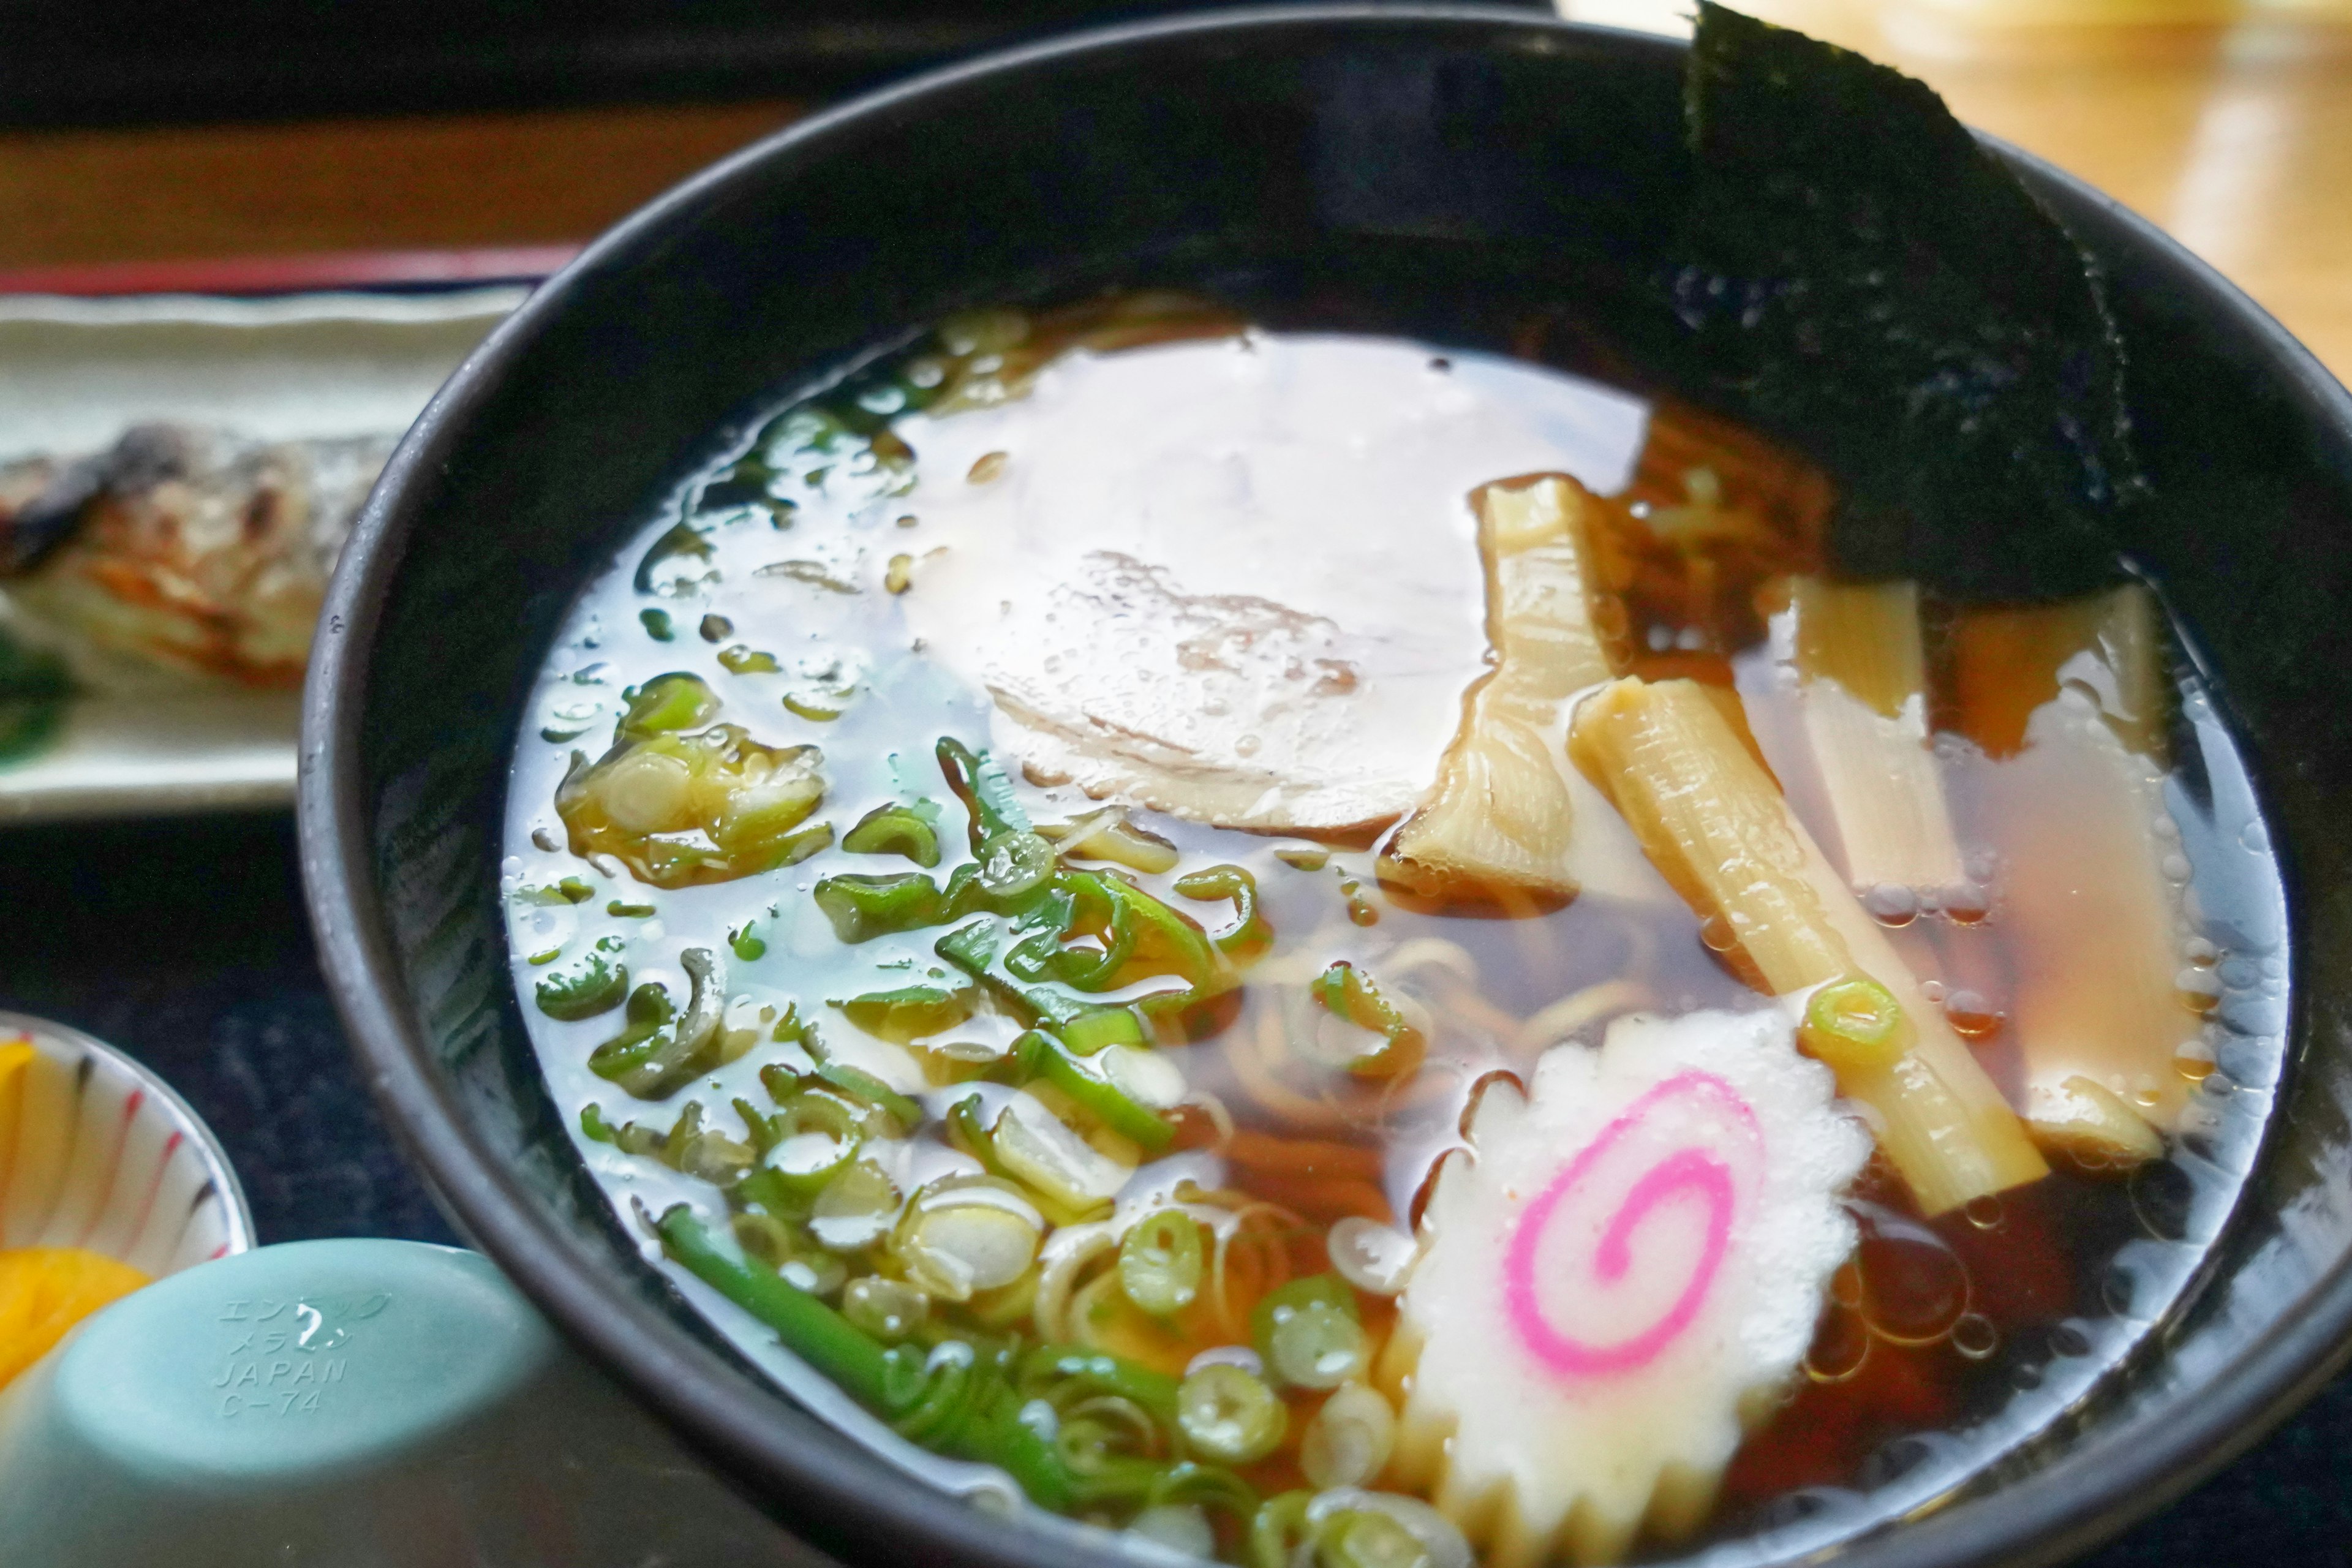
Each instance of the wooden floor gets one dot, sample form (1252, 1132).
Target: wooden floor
(2236, 136)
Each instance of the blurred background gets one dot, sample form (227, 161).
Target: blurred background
(136, 131)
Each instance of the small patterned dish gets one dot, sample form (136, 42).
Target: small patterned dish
(97, 1152)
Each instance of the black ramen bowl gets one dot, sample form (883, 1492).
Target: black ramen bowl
(1397, 156)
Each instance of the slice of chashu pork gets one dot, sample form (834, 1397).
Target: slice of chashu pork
(1238, 580)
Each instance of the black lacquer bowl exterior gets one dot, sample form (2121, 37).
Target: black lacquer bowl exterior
(1414, 146)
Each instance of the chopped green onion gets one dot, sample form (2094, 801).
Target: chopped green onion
(592, 1123)
(1279, 1530)
(862, 1085)
(1108, 834)
(1250, 936)
(889, 1310)
(1209, 1486)
(585, 990)
(964, 1404)
(814, 712)
(986, 793)
(741, 660)
(965, 1233)
(657, 625)
(1367, 1537)
(862, 908)
(1855, 1024)
(1039, 1055)
(1097, 1027)
(1230, 1416)
(668, 703)
(856, 1209)
(1307, 1334)
(679, 541)
(746, 944)
(1349, 1441)
(628, 910)
(1039, 1149)
(1347, 992)
(1159, 1262)
(650, 1008)
(816, 1135)
(1179, 1527)
(910, 1012)
(895, 830)
(1014, 863)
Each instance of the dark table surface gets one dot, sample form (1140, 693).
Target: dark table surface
(184, 943)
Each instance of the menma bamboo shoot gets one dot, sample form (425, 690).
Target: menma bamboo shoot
(1720, 833)
(2072, 805)
(1862, 695)
(1497, 825)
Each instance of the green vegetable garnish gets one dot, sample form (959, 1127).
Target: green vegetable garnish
(570, 890)
(1855, 1024)
(741, 660)
(587, 988)
(657, 625)
(895, 830)
(745, 944)
(1249, 937)
(1160, 1263)
(1307, 1334)
(34, 689)
(814, 712)
(986, 793)
(816, 1136)
(680, 810)
(911, 1012)
(862, 908)
(1014, 862)
(680, 540)
(1229, 1415)
(1346, 991)
(872, 1090)
(667, 703)
(1038, 1054)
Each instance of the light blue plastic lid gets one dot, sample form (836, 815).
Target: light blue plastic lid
(292, 1364)
(355, 1403)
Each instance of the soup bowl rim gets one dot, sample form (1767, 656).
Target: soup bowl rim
(837, 1492)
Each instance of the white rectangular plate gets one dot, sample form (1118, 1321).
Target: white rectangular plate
(75, 373)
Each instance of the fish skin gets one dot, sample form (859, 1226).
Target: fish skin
(186, 547)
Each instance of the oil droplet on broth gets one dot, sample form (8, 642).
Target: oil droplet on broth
(1970, 1016)
(1841, 1346)
(1974, 1336)
(1913, 1285)
(1890, 905)
(2194, 1060)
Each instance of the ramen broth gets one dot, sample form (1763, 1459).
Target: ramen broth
(1161, 636)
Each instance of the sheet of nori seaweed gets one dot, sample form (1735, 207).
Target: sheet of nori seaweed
(1872, 285)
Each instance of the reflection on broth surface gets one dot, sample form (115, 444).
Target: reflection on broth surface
(1325, 949)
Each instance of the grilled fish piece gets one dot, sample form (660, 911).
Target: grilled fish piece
(189, 548)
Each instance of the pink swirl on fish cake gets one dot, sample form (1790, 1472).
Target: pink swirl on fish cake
(1700, 1172)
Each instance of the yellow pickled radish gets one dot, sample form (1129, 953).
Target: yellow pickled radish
(16, 1068)
(46, 1291)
